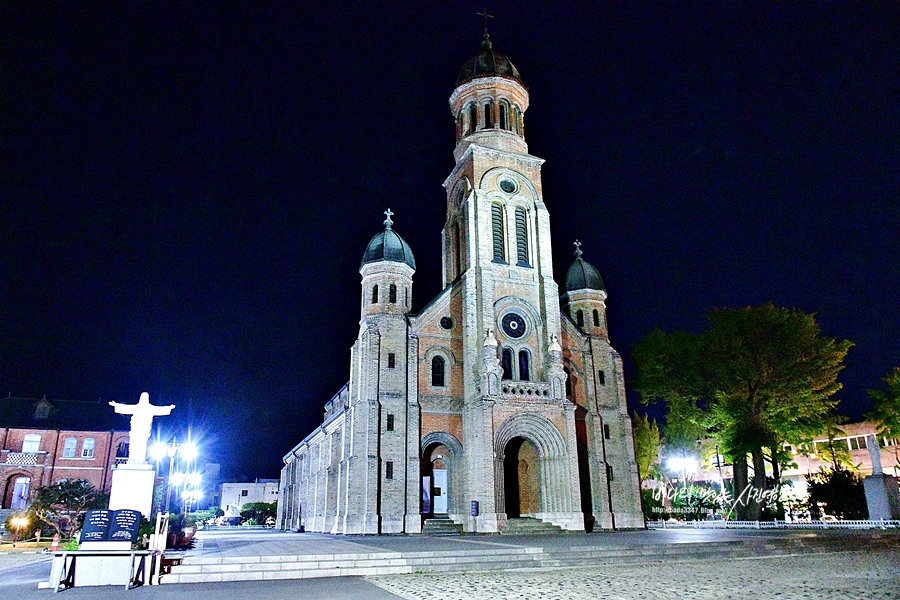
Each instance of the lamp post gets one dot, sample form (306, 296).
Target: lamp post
(18, 523)
(187, 451)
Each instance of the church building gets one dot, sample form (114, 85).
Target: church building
(502, 402)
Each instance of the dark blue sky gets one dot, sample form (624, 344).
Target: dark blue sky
(187, 190)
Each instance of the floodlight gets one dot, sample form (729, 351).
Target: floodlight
(158, 451)
(188, 451)
(683, 464)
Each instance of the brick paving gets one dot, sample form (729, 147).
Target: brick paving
(873, 575)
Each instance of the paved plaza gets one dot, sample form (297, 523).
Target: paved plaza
(847, 572)
(819, 576)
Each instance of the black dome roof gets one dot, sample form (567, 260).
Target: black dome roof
(582, 275)
(488, 63)
(388, 245)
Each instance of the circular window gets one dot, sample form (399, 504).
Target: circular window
(446, 322)
(508, 185)
(513, 325)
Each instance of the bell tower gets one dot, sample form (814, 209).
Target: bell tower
(497, 257)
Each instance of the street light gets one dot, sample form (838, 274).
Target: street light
(18, 523)
(682, 464)
(187, 451)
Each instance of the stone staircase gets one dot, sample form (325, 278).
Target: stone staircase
(220, 569)
(442, 525)
(529, 526)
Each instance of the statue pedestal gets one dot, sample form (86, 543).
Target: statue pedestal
(882, 497)
(132, 487)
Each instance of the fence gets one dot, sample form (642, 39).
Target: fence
(724, 524)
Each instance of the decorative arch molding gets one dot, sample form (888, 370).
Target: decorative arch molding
(501, 304)
(436, 438)
(546, 438)
(529, 198)
(440, 350)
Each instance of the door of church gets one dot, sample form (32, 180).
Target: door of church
(440, 492)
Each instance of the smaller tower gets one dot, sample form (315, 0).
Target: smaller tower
(387, 268)
(374, 464)
(585, 297)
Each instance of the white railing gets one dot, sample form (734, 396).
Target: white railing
(861, 524)
(23, 459)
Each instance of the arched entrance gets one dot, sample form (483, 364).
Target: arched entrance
(537, 471)
(441, 479)
(18, 488)
(520, 474)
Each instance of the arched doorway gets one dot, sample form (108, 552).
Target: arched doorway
(521, 479)
(441, 479)
(21, 489)
(436, 486)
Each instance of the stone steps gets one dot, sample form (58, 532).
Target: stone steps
(529, 526)
(442, 526)
(196, 570)
(216, 569)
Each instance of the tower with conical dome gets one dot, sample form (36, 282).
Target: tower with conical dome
(499, 401)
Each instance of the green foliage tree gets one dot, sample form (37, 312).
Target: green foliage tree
(886, 410)
(259, 511)
(840, 491)
(758, 377)
(646, 445)
(72, 499)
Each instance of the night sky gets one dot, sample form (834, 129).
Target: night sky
(187, 190)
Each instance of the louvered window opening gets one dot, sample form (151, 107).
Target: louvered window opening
(497, 229)
(522, 238)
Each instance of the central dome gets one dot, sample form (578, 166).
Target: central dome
(488, 63)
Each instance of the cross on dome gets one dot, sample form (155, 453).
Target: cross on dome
(387, 221)
(578, 252)
(486, 42)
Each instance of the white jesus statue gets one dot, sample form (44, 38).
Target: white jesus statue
(142, 415)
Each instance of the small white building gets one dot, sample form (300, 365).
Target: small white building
(235, 495)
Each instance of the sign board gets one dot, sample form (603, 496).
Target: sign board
(111, 526)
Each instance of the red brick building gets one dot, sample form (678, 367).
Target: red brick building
(44, 441)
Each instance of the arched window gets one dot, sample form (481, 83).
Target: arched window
(596, 318)
(374, 294)
(506, 363)
(524, 375)
(473, 118)
(69, 448)
(521, 237)
(497, 231)
(504, 121)
(392, 294)
(87, 448)
(568, 382)
(437, 371)
(489, 115)
(579, 318)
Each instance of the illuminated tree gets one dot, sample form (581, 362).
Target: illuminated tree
(757, 378)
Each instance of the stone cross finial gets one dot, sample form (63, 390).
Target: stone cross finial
(486, 17)
(387, 221)
(578, 252)
(486, 42)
